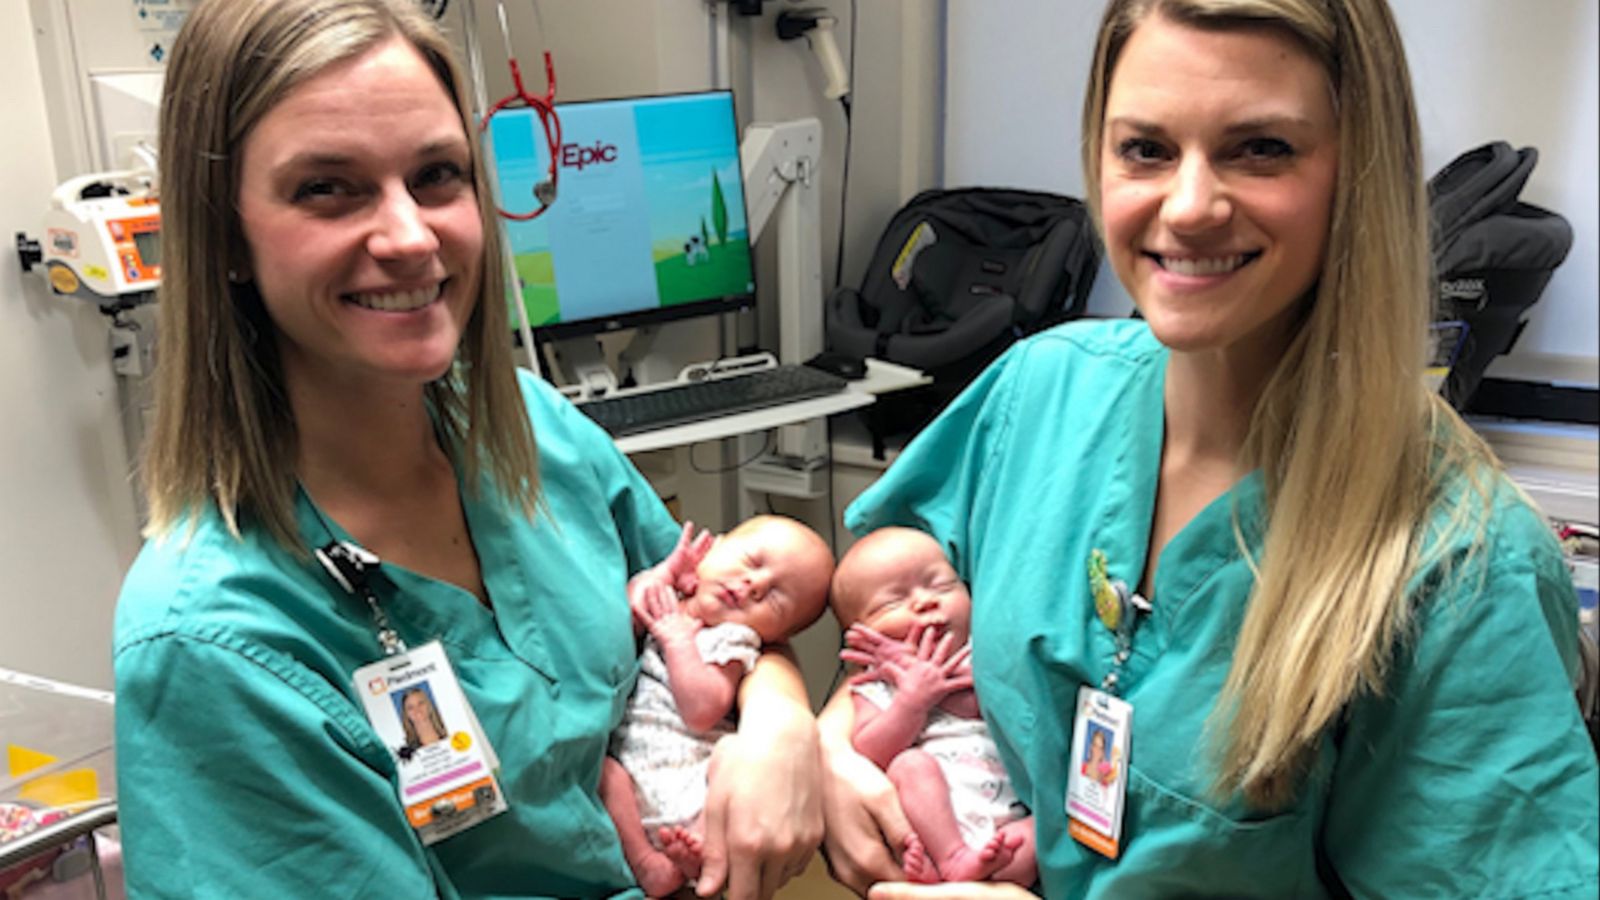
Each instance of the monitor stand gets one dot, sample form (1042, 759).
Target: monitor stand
(583, 367)
(640, 360)
(582, 364)
(586, 375)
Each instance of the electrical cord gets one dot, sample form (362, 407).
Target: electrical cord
(845, 103)
(766, 444)
(833, 505)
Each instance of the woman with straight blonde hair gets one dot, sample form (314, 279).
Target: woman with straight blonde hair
(1241, 530)
(345, 492)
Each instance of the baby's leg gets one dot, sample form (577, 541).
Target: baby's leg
(655, 871)
(925, 797)
(1024, 866)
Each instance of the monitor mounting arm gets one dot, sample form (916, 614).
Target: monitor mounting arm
(781, 163)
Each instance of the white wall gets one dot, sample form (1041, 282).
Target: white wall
(1013, 88)
(67, 523)
(1522, 72)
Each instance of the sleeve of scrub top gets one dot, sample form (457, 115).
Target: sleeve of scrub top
(251, 782)
(1474, 775)
(938, 483)
(644, 526)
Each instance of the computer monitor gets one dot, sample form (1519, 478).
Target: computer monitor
(649, 224)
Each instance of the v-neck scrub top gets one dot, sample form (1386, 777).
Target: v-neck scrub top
(1470, 776)
(245, 766)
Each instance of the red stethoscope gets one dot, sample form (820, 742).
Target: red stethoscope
(544, 191)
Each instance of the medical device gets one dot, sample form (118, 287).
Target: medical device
(543, 107)
(102, 240)
(817, 28)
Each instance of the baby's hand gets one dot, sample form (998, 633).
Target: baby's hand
(675, 627)
(675, 574)
(657, 610)
(870, 649)
(679, 566)
(937, 670)
(650, 599)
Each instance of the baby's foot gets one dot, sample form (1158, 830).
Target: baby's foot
(977, 864)
(684, 848)
(914, 860)
(657, 874)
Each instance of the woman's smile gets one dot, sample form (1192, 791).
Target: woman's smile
(400, 300)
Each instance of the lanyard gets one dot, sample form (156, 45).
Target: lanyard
(350, 565)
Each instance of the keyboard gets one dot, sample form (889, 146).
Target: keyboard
(695, 401)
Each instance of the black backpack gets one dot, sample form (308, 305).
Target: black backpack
(958, 276)
(1492, 254)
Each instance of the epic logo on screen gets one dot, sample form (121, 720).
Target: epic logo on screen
(576, 156)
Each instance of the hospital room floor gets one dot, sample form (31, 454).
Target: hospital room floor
(814, 884)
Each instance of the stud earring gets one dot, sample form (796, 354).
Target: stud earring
(237, 277)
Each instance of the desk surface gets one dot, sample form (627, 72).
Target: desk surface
(882, 378)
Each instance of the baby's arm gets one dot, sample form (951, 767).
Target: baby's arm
(703, 691)
(925, 671)
(881, 734)
(676, 572)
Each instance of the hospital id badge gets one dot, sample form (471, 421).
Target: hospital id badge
(1097, 777)
(445, 764)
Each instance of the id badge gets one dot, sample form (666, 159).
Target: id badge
(446, 767)
(1097, 779)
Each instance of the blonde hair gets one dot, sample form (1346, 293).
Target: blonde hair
(413, 739)
(1354, 450)
(223, 430)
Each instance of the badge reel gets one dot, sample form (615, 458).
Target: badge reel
(1102, 726)
(445, 766)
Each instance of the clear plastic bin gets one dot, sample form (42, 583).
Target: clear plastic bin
(57, 791)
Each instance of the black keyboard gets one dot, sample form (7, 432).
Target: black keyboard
(699, 400)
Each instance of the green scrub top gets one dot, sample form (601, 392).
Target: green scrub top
(245, 766)
(1472, 774)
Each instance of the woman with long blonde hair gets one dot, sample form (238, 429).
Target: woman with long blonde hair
(334, 370)
(1347, 641)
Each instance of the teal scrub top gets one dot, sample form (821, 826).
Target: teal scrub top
(245, 767)
(1471, 775)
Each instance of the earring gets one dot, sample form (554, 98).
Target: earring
(237, 277)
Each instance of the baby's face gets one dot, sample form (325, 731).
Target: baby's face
(771, 575)
(901, 581)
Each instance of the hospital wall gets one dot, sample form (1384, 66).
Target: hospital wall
(68, 528)
(1527, 73)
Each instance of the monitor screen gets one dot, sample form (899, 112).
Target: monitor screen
(649, 221)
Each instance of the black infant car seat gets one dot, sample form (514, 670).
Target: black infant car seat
(957, 276)
(1492, 254)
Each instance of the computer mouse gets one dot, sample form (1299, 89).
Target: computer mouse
(852, 368)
